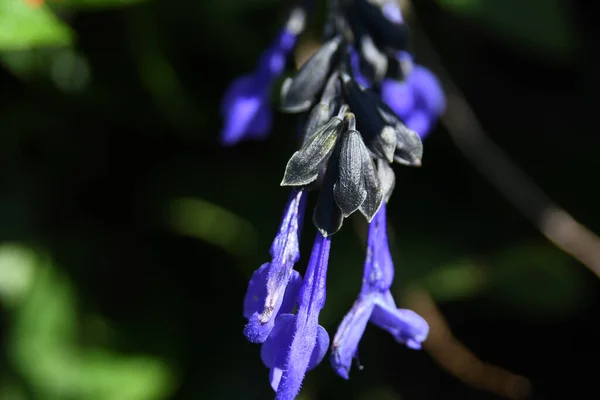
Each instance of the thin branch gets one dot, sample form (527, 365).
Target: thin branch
(527, 197)
(456, 358)
(447, 350)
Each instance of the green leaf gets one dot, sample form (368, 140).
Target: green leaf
(44, 348)
(111, 376)
(212, 223)
(10, 390)
(98, 4)
(17, 273)
(25, 26)
(538, 26)
(454, 281)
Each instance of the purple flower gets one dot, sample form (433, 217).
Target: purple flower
(246, 110)
(419, 100)
(399, 96)
(298, 343)
(428, 92)
(274, 287)
(376, 304)
(344, 86)
(246, 107)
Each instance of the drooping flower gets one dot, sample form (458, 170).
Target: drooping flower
(375, 304)
(364, 105)
(429, 97)
(246, 107)
(274, 286)
(417, 98)
(298, 343)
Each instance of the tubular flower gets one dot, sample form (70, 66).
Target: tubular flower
(275, 285)
(298, 343)
(245, 107)
(364, 105)
(376, 304)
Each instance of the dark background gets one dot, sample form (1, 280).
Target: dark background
(128, 234)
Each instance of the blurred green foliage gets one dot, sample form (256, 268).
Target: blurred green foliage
(209, 222)
(25, 27)
(44, 341)
(95, 4)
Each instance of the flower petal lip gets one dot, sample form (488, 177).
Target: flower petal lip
(348, 335)
(273, 288)
(310, 302)
(406, 326)
(274, 350)
(375, 304)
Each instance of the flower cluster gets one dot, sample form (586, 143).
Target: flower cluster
(365, 104)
